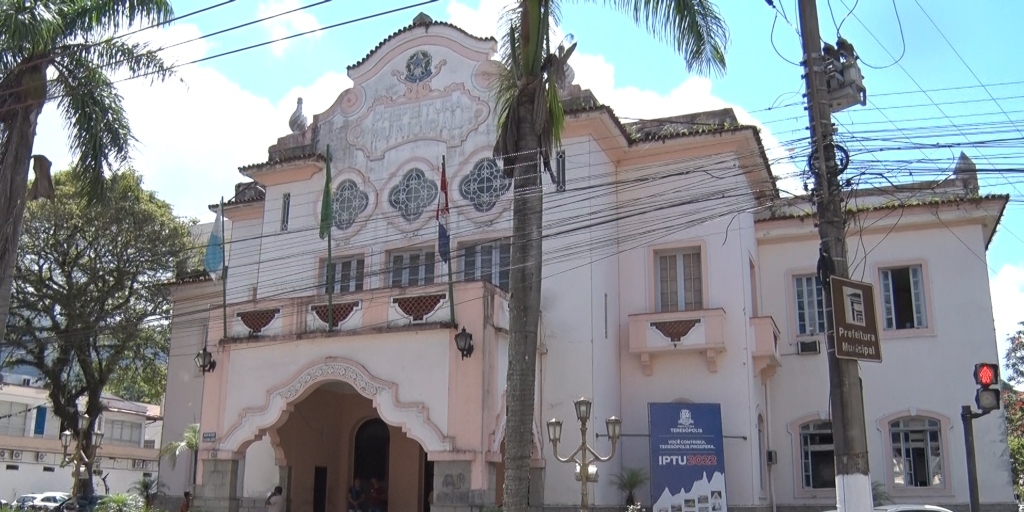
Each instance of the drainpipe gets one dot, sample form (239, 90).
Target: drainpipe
(768, 436)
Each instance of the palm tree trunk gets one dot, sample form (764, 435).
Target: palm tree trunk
(524, 303)
(19, 113)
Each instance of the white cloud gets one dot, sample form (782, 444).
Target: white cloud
(196, 129)
(1007, 287)
(294, 23)
(597, 74)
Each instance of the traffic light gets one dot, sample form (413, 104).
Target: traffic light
(986, 375)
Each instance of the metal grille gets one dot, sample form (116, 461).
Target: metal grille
(257, 320)
(675, 330)
(341, 312)
(420, 306)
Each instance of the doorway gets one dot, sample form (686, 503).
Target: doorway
(372, 446)
(320, 489)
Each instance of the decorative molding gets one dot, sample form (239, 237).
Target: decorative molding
(257, 320)
(419, 307)
(412, 417)
(341, 312)
(675, 330)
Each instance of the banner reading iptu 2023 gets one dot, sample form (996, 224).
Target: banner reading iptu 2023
(687, 457)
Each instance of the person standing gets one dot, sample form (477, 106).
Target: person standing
(378, 496)
(187, 504)
(275, 502)
(356, 496)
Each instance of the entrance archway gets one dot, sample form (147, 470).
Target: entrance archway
(372, 446)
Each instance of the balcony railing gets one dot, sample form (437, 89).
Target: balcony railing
(365, 311)
(766, 346)
(701, 331)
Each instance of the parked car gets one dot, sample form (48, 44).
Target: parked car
(25, 501)
(85, 503)
(48, 500)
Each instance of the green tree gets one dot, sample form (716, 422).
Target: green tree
(189, 443)
(529, 127)
(1013, 406)
(88, 288)
(61, 51)
(148, 489)
(142, 377)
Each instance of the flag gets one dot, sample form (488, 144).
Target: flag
(443, 240)
(214, 259)
(327, 203)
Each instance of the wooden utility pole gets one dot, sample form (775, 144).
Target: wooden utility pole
(849, 437)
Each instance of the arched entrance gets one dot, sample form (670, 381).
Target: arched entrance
(372, 444)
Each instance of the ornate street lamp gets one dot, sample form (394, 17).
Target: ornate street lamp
(584, 457)
(204, 361)
(78, 457)
(464, 342)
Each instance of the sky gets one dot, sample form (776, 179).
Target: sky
(937, 82)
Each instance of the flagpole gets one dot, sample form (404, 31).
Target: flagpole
(451, 284)
(331, 279)
(224, 271)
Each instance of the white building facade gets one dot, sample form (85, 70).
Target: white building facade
(673, 273)
(32, 457)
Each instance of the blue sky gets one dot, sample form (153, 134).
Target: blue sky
(224, 112)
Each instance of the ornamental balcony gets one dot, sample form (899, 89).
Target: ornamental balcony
(700, 331)
(766, 346)
(363, 312)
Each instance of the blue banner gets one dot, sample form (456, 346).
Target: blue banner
(687, 457)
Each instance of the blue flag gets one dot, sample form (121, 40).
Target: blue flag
(214, 260)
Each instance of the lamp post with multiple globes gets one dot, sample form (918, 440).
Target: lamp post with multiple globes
(79, 457)
(584, 457)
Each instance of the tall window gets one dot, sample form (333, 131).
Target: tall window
(125, 433)
(286, 207)
(488, 262)
(810, 306)
(903, 298)
(680, 285)
(817, 455)
(344, 276)
(916, 452)
(13, 418)
(412, 268)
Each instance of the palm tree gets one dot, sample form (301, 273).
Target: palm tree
(529, 126)
(148, 489)
(189, 443)
(629, 481)
(62, 51)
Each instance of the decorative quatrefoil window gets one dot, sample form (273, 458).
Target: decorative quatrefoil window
(349, 203)
(484, 185)
(413, 194)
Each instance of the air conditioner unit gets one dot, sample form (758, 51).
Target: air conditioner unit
(40, 457)
(16, 455)
(138, 464)
(808, 347)
(772, 457)
(148, 464)
(3, 454)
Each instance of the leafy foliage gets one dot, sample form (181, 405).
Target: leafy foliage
(189, 443)
(142, 377)
(88, 290)
(148, 489)
(1013, 406)
(121, 503)
(629, 481)
(879, 495)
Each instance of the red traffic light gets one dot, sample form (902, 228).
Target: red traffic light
(986, 374)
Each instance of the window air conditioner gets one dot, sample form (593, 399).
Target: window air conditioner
(138, 464)
(16, 455)
(808, 347)
(772, 457)
(3, 454)
(40, 457)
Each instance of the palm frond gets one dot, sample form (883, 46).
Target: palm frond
(100, 17)
(693, 27)
(189, 442)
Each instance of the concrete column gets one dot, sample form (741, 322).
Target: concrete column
(452, 491)
(219, 490)
(284, 479)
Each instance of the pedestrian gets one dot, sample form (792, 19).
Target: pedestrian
(356, 496)
(275, 502)
(378, 496)
(187, 504)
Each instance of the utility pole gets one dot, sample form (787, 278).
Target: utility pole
(849, 436)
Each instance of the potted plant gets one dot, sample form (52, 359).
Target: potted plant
(629, 481)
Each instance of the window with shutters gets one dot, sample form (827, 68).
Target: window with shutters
(13, 418)
(817, 455)
(916, 445)
(810, 305)
(903, 298)
(124, 433)
(487, 261)
(679, 280)
(344, 275)
(286, 207)
(411, 268)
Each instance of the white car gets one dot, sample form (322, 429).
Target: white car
(48, 500)
(25, 501)
(907, 508)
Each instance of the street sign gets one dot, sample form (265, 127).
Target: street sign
(854, 321)
(209, 437)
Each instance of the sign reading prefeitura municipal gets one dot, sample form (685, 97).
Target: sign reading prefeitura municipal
(687, 457)
(854, 320)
